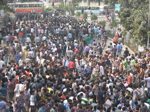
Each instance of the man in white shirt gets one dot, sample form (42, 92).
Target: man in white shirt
(148, 82)
(20, 62)
(43, 38)
(19, 87)
(28, 40)
(30, 54)
(101, 69)
(1, 63)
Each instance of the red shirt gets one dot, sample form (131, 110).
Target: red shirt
(20, 34)
(71, 64)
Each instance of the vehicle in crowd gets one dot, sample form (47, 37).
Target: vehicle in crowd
(27, 7)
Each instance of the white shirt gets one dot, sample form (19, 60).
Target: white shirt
(18, 88)
(102, 70)
(30, 54)
(32, 100)
(32, 30)
(1, 63)
(43, 38)
(20, 62)
(28, 40)
(148, 81)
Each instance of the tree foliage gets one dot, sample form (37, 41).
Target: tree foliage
(84, 16)
(77, 14)
(102, 23)
(70, 7)
(94, 17)
(3, 6)
(135, 19)
(113, 24)
(110, 2)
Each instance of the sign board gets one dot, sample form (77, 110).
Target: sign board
(67, 13)
(117, 7)
(1, 13)
(140, 48)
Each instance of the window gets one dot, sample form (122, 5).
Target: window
(26, 5)
(94, 8)
(16, 5)
(30, 5)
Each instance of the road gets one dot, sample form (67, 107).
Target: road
(111, 41)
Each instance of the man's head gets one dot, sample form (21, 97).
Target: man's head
(21, 93)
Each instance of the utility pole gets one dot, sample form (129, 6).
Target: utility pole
(89, 2)
(99, 2)
(148, 27)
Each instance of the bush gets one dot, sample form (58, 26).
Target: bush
(148, 33)
(77, 14)
(113, 24)
(84, 16)
(124, 32)
(94, 17)
(103, 23)
(109, 34)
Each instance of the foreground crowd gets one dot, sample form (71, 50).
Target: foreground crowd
(56, 64)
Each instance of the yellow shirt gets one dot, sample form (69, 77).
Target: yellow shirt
(49, 90)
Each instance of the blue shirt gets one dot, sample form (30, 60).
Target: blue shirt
(69, 35)
(103, 30)
(95, 30)
(18, 57)
(0, 36)
(2, 105)
(3, 91)
(41, 110)
(7, 38)
(119, 47)
(66, 63)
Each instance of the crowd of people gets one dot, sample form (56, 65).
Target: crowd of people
(58, 64)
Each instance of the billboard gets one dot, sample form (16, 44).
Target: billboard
(1, 13)
(117, 7)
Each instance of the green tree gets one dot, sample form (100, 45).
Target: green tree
(105, 1)
(94, 17)
(4, 6)
(70, 7)
(124, 32)
(113, 25)
(110, 2)
(78, 14)
(84, 15)
(134, 19)
(102, 23)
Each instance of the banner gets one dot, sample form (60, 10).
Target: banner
(117, 7)
(140, 48)
(1, 13)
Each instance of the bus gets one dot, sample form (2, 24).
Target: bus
(81, 9)
(27, 7)
(87, 9)
(105, 9)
